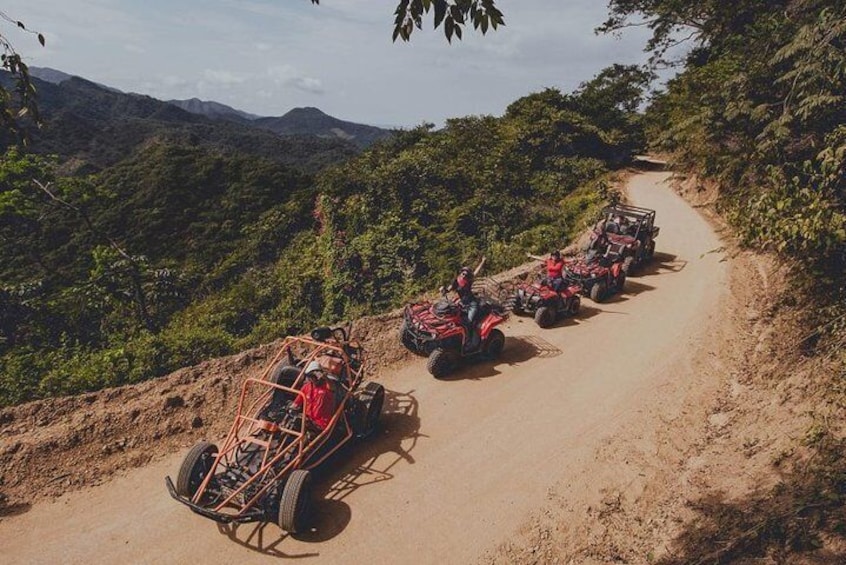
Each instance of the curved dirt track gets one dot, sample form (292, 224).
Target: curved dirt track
(460, 464)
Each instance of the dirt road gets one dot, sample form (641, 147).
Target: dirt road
(460, 464)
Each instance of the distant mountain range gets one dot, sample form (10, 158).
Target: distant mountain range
(299, 121)
(214, 110)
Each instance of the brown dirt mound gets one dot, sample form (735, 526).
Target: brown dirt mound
(49, 447)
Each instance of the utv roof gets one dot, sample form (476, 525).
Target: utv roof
(628, 210)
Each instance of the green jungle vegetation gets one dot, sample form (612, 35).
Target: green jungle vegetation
(759, 107)
(183, 251)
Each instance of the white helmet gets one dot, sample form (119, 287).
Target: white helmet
(312, 367)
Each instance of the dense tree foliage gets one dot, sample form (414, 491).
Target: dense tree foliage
(181, 252)
(760, 107)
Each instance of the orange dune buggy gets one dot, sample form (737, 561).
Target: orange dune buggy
(261, 472)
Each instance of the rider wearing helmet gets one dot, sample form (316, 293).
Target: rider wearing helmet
(319, 395)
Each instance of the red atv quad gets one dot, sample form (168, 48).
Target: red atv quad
(598, 277)
(633, 229)
(541, 300)
(439, 331)
(262, 471)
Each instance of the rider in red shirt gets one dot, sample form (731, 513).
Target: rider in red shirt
(320, 398)
(554, 269)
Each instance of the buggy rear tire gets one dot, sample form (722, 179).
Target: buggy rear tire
(650, 250)
(441, 362)
(627, 264)
(196, 465)
(372, 400)
(295, 503)
(544, 316)
(495, 344)
(597, 292)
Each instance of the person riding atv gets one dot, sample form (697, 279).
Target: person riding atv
(554, 270)
(450, 331)
(549, 298)
(462, 285)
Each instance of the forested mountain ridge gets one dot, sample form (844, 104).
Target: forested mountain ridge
(312, 121)
(181, 252)
(214, 110)
(90, 127)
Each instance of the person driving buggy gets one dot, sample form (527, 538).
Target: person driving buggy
(463, 286)
(319, 394)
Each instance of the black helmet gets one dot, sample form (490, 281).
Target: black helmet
(466, 271)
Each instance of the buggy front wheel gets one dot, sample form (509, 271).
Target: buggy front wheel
(196, 465)
(295, 502)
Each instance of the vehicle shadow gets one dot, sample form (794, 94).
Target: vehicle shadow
(586, 312)
(360, 464)
(8, 510)
(633, 288)
(661, 263)
(518, 349)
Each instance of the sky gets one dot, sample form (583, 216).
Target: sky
(269, 56)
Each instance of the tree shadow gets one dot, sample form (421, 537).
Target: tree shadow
(795, 518)
(359, 464)
(518, 349)
(661, 263)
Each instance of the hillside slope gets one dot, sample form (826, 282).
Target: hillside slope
(427, 484)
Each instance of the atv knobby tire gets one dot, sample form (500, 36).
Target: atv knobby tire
(545, 316)
(196, 465)
(597, 292)
(441, 363)
(621, 281)
(295, 502)
(575, 304)
(494, 344)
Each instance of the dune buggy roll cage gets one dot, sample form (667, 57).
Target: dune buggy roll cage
(289, 450)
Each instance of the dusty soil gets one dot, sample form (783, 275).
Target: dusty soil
(593, 441)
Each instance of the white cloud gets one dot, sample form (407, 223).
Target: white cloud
(288, 75)
(266, 56)
(224, 78)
